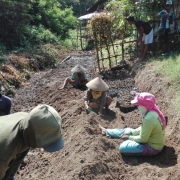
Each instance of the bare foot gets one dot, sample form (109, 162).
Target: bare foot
(103, 130)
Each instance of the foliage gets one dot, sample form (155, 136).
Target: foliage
(49, 14)
(101, 26)
(2, 49)
(140, 9)
(38, 34)
(71, 41)
(13, 17)
(169, 67)
(79, 6)
(28, 22)
(102, 30)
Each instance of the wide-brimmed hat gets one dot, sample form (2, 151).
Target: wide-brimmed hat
(97, 84)
(78, 68)
(169, 2)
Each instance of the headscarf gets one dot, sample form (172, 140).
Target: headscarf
(149, 102)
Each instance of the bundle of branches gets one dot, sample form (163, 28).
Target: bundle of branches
(101, 26)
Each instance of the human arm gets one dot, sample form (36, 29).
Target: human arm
(133, 132)
(136, 131)
(162, 14)
(86, 99)
(103, 102)
(140, 31)
(169, 16)
(130, 132)
(145, 131)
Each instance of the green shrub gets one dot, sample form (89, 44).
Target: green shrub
(40, 35)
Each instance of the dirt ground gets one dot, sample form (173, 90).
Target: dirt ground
(87, 155)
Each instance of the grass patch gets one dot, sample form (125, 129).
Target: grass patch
(169, 67)
(71, 41)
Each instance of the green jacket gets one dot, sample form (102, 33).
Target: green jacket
(150, 132)
(21, 131)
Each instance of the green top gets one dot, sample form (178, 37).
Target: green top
(150, 132)
(21, 131)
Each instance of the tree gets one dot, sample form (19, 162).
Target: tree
(49, 14)
(13, 17)
(79, 6)
(18, 17)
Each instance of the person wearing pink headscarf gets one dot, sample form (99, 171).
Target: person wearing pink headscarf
(149, 138)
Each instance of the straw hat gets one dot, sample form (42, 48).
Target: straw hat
(78, 68)
(97, 84)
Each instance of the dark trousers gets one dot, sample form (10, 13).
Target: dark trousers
(163, 38)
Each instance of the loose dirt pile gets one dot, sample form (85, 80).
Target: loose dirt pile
(87, 155)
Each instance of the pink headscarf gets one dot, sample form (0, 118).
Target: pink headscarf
(149, 102)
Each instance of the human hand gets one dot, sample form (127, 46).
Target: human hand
(133, 93)
(86, 105)
(124, 137)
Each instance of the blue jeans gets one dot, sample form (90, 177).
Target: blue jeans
(130, 147)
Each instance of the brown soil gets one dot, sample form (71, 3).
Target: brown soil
(87, 155)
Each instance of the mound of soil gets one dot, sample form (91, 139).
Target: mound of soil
(87, 155)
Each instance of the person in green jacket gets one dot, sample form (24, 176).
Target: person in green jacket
(149, 138)
(21, 131)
